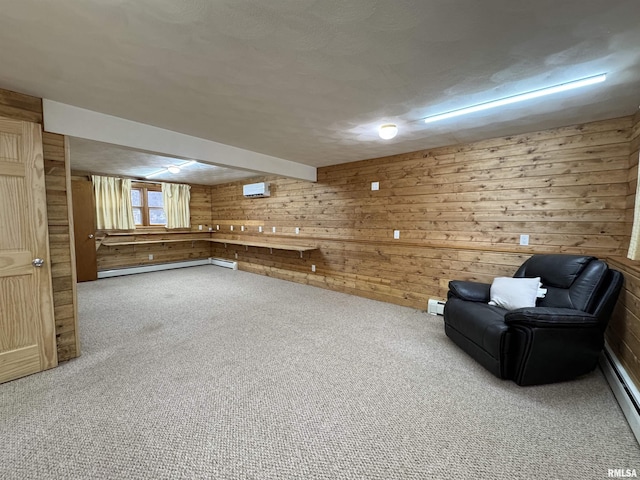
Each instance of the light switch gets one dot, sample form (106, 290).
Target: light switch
(232, 228)
(273, 229)
(242, 228)
(260, 229)
(297, 230)
(524, 239)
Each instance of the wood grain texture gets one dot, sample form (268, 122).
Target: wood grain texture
(623, 334)
(60, 242)
(566, 188)
(24, 107)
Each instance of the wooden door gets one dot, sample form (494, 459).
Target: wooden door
(27, 326)
(84, 227)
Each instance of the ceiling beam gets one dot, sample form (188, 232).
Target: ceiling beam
(78, 122)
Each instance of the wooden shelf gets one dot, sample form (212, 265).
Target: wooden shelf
(278, 246)
(226, 241)
(144, 242)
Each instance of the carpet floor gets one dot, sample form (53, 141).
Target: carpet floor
(206, 372)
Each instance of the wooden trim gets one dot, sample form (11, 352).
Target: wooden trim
(72, 248)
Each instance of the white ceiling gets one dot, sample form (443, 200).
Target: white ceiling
(310, 80)
(106, 159)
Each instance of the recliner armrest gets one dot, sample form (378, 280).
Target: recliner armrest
(470, 291)
(546, 317)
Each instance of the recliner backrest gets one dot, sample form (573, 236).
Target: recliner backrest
(572, 281)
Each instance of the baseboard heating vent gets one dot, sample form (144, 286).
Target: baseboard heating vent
(116, 272)
(626, 393)
(221, 262)
(435, 307)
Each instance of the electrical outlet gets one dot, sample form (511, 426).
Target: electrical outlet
(375, 185)
(396, 234)
(211, 229)
(199, 227)
(217, 227)
(259, 229)
(524, 239)
(297, 230)
(151, 256)
(232, 228)
(242, 228)
(236, 256)
(313, 268)
(273, 229)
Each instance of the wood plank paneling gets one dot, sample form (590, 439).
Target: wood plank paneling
(62, 269)
(623, 334)
(24, 107)
(460, 211)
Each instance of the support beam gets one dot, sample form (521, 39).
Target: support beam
(79, 122)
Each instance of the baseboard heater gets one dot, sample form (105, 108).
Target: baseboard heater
(626, 393)
(117, 272)
(221, 262)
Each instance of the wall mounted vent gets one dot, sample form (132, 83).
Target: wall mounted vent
(255, 190)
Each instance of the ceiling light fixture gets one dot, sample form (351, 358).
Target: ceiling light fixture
(387, 131)
(583, 82)
(172, 169)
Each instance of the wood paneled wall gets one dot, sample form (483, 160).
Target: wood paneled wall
(623, 334)
(24, 107)
(134, 255)
(460, 211)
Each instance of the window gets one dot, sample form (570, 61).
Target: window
(147, 203)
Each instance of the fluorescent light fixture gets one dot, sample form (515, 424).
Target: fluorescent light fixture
(164, 170)
(387, 131)
(583, 82)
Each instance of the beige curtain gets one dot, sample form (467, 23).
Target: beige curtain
(634, 244)
(176, 205)
(113, 203)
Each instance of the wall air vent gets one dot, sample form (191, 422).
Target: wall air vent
(255, 190)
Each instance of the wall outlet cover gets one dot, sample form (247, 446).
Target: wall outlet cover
(375, 185)
(396, 234)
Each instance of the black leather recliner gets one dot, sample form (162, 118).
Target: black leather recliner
(558, 339)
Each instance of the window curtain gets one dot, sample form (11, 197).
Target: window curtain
(113, 203)
(176, 205)
(634, 244)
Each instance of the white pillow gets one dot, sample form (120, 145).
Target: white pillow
(511, 293)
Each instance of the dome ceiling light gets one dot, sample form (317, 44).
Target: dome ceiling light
(388, 131)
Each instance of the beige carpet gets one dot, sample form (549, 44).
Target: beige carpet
(209, 373)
